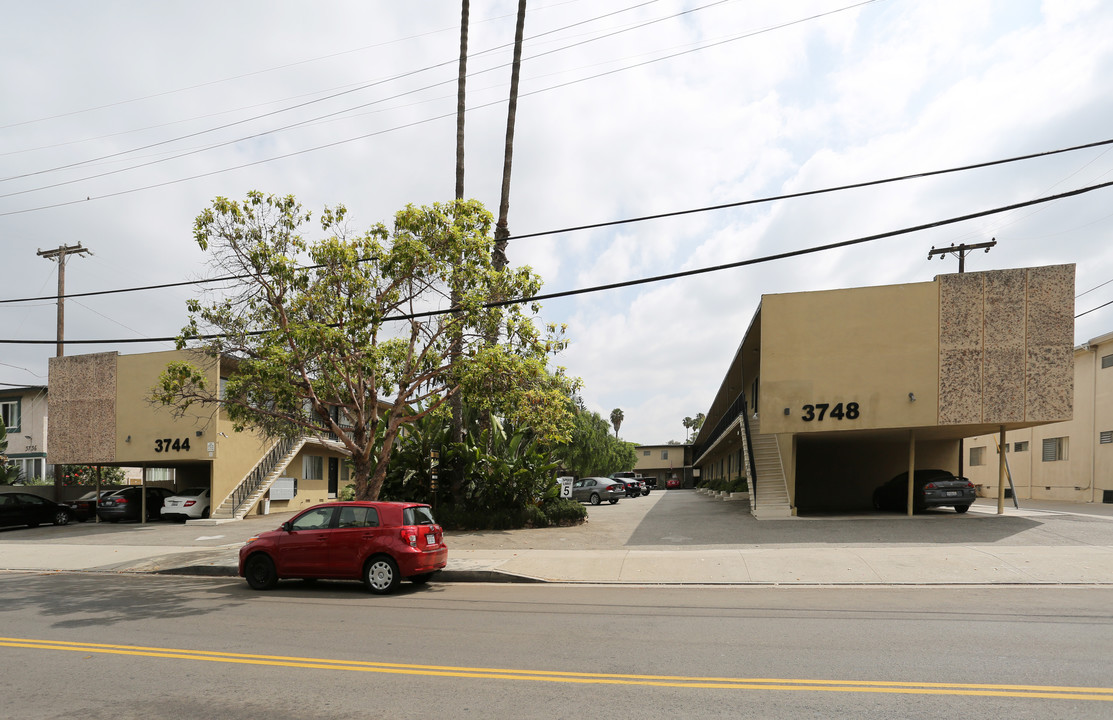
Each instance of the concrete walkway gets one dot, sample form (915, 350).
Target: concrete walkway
(670, 537)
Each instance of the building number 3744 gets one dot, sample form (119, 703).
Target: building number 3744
(820, 411)
(177, 444)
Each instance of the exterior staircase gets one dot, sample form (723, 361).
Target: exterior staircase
(269, 468)
(769, 495)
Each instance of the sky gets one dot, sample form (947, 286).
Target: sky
(121, 121)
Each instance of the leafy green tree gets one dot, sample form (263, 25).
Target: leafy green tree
(321, 332)
(592, 450)
(87, 475)
(8, 473)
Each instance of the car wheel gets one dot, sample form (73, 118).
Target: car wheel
(961, 508)
(594, 499)
(380, 575)
(614, 500)
(259, 572)
(422, 578)
(61, 518)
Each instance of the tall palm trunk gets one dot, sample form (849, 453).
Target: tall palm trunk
(502, 231)
(456, 402)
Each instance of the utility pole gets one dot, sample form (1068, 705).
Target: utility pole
(960, 251)
(59, 254)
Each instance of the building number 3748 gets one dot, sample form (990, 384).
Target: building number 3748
(819, 411)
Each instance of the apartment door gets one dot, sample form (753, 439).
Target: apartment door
(333, 476)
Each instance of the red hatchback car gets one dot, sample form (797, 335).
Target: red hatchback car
(379, 543)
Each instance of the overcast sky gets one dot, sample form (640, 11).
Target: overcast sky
(120, 121)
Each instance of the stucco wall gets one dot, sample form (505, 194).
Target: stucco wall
(868, 346)
(1005, 346)
(82, 409)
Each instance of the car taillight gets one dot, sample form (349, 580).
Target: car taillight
(929, 486)
(189, 503)
(409, 536)
(969, 484)
(119, 501)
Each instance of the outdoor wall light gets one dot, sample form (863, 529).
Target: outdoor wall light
(911, 397)
(128, 439)
(222, 435)
(200, 433)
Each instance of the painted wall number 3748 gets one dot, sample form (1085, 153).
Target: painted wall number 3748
(819, 411)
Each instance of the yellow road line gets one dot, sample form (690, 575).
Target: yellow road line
(1054, 692)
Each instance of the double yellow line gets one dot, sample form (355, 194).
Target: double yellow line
(1047, 692)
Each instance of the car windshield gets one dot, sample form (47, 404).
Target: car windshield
(418, 516)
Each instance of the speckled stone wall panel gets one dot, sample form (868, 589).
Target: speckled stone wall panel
(82, 406)
(960, 311)
(960, 386)
(1050, 352)
(1005, 341)
(960, 348)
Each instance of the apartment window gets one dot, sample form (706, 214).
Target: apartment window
(29, 468)
(664, 454)
(1020, 446)
(162, 475)
(977, 456)
(9, 411)
(1107, 361)
(1054, 449)
(645, 453)
(1106, 437)
(313, 467)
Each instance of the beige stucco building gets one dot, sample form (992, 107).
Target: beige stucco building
(832, 393)
(665, 462)
(23, 412)
(1070, 460)
(100, 414)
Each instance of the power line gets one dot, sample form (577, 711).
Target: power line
(89, 198)
(313, 102)
(655, 278)
(644, 218)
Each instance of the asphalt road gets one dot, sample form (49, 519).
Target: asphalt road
(99, 646)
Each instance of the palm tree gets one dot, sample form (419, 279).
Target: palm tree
(456, 402)
(687, 423)
(502, 231)
(616, 419)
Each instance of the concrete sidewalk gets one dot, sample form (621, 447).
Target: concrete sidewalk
(654, 540)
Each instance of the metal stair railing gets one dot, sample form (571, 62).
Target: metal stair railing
(259, 473)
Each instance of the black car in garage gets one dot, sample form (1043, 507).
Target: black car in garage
(931, 489)
(18, 508)
(126, 504)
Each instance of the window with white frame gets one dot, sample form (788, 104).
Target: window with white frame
(30, 469)
(977, 456)
(9, 411)
(313, 467)
(664, 454)
(1020, 446)
(1054, 449)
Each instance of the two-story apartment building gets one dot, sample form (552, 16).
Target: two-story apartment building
(23, 410)
(832, 393)
(1070, 460)
(101, 414)
(662, 463)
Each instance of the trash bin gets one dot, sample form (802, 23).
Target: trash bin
(266, 506)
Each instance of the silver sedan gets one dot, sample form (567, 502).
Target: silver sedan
(597, 489)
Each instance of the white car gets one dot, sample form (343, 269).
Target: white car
(191, 503)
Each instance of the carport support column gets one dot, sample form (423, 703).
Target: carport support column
(1001, 473)
(911, 467)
